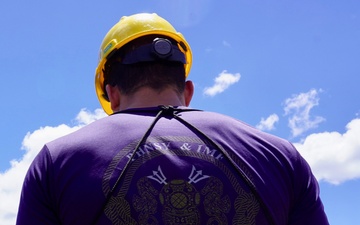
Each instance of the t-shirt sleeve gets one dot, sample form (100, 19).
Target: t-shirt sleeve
(36, 204)
(307, 207)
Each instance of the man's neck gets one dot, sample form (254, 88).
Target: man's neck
(147, 97)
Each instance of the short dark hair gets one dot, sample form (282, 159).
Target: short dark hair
(157, 75)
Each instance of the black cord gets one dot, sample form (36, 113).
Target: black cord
(240, 171)
(148, 131)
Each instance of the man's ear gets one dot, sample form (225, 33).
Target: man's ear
(188, 92)
(114, 96)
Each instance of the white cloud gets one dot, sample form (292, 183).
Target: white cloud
(222, 82)
(298, 109)
(268, 123)
(334, 157)
(85, 117)
(11, 180)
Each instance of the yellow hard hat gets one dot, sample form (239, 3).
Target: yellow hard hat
(130, 28)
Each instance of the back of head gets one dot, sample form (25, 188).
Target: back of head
(127, 58)
(147, 70)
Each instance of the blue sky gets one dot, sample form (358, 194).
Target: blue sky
(290, 68)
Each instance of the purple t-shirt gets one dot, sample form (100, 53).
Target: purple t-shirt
(176, 176)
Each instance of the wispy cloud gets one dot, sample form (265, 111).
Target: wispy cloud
(226, 44)
(268, 123)
(334, 157)
(11, 180)
(223, 81)
(208, 50)
(298, 109)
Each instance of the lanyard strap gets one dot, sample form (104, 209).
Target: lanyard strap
(173, 112)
